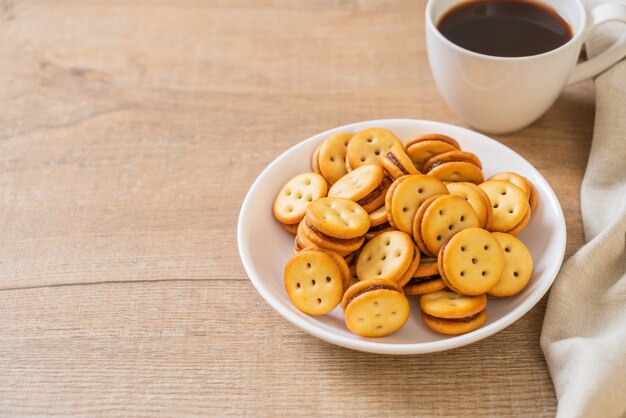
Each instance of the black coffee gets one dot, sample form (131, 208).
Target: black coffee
(505, 28)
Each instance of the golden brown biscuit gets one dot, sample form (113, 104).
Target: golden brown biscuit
(386, 256)
(332, 155)
(424, 147)
(471, 262)
(444, 217)
(518, 266)
(476, 197)
(293, 199)
(367, 146)
(509, 204)
(397, 163)
(375, 308)
(314, 282)
(365, 185)
(448, 312)
(406, 198)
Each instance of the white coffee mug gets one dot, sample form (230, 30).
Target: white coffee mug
(503, 94)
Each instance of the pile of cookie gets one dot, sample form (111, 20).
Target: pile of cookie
(378, 220)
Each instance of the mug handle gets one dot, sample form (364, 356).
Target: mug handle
(600, 14)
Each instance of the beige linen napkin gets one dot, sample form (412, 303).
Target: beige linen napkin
(584, 331)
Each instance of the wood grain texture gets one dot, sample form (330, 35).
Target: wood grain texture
(131, 132)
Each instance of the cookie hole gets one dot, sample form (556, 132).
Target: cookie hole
(309, 199)
(405, 209)
(462, 249)
(486, 247)
(299, 196)
(308, 265)
(298, 285)
(288, 192)
(324, 217)
(289, 209)
(420, 190)
(462, 273)
(449, 227)
(319, 300)
(369, 257)
(484, 273)
(474, 261)
(496, 206)
(377, 152)
(387, 243)
(377, 315)
(506, 249)
(503, 193)
(362, 159)
(510, 210)
(332, 159)
(394, 312)
(307, 182)
(398, 253)
(361, 319)
(515, 274)
(462, 218)
(369, 139)
(440, 212)
(375, 303)
(313, 282)
(438, 237)
(384, 257)
(379, 327)
(327, 279)
(380, 273)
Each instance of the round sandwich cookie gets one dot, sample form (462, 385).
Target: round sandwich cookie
(448, 312)
(335, 224)
(455, 166)
(375, 308)
(365, 185)
(471, 262)
(397, 163)
(390, 256)
(424, 147)
(292, 200)
(476, 197)
(426, 278)
(331, 157)
(509, 204)
(407, 196)
(367, 146)
(521, 182)
(518, 266)
(315, 280)
(441, 218)
(388, 197)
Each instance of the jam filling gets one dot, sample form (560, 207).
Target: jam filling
(420, 280)
(373, 195)
(333, 239)
(379, 227)
(396, 163)
(464, 319)
(370, 288)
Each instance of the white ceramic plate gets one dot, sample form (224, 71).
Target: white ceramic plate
(265, 247)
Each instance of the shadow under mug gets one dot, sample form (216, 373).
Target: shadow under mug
(504, 94)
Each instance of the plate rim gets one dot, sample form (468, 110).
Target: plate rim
(399, 348)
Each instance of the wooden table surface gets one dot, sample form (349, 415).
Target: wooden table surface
(131, 132)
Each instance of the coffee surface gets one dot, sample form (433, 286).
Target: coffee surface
(505, 28)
